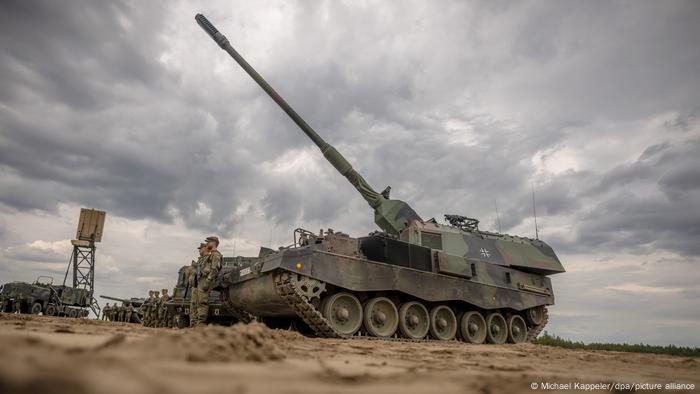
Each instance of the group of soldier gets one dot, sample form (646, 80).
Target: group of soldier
(119, 313)
(155, 310)
(200, 276)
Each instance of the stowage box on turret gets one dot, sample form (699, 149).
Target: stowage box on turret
(415, 279)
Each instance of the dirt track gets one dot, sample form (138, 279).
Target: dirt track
(58, 355)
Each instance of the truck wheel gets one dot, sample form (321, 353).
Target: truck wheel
(50, 310)
(36, 308)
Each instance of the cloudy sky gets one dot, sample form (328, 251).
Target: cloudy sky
(459, 106)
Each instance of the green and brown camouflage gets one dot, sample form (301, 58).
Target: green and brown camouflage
(339, 285)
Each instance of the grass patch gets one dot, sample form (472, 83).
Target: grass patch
(554, 340)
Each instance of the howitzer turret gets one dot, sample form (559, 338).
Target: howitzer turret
(422, 279)
(390, 215)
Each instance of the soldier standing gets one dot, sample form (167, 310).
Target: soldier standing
(105, 312)
(159, 309)
(120, 313)
(192, 283)
(154, 308)
(166, 318)
(147, 308)
(129, 312)
(207, 272)
(18, 303)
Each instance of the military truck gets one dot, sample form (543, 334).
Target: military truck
(42, 296)
(415, 278)
(219, 313)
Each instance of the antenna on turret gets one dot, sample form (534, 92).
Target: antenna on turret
(534, 211)
(498, 216)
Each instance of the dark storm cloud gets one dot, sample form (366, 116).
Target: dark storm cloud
(103, 105)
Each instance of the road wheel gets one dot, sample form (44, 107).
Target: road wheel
(73, 313)
(414, 321)
(36, 308)
(443, 323)
(517, 329)
(535, 316)
(344, 313)
(50, 310)
(381, 317)
(496, 328)
(472, 327)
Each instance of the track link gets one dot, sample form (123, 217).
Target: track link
(536, 330)
(303, 308)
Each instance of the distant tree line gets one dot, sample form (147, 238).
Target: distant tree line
(554, 340)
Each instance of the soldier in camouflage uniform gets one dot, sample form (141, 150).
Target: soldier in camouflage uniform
(154, 308)
(192, 282)
(166, 319)
(105, 312)
(159, 309)
(147, 308)
(129, 312)
(207, 271)
(120, 313)
(18, 303)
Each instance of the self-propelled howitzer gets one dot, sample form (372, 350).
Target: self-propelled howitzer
(418, 278)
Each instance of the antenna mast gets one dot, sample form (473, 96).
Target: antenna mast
(498, 216)
(534, 211)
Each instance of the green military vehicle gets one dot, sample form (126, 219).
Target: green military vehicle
(219, 313)
(415, 279)
(42, 296)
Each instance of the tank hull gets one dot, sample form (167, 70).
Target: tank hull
(491, 287)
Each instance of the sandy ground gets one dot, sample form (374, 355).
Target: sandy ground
(57, 355)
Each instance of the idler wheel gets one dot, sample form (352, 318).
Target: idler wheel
(535, 316)
(36, 308)
(443, 323)
(517, 329)
(472, 327)
(496, 328)
(344, 313)
(381, 317)
(414, 321)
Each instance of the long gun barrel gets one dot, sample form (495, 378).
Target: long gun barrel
(390, 215)
(114, 298)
